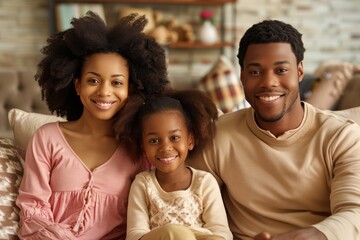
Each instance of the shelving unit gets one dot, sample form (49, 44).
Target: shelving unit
(190, 47)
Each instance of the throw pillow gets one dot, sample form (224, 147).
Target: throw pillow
(24, 124)
(223, 85)
(10, 178)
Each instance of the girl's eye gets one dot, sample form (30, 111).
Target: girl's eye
(175, 138)
(153, 141)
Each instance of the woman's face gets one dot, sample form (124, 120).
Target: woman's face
(103, 86)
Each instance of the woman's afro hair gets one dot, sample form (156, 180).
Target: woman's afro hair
(66, 52)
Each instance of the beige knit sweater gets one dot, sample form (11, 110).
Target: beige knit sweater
(307, 176)
(199, 207)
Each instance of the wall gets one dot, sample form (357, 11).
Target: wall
(330, 28)
(23, 31)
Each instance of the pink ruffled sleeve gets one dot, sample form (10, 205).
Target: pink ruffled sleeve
(36, 217)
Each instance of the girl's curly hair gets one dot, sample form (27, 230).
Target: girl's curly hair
(67, 50)
(199, 112)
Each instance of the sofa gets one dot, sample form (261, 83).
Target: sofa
(18, 89)
(22, 112)
(334, 85)
(20, 101)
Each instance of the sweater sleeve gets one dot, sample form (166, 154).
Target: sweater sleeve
(36, 217)
(137, 213)
(214, 214)
(344, 152)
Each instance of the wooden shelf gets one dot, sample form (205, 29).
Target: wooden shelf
(182, 48)
(190, 2)
(177, 45)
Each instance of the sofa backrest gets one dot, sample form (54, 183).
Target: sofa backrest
(18, 89)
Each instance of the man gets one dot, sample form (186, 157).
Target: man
(287, 169)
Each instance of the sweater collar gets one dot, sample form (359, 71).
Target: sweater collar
(289, 136)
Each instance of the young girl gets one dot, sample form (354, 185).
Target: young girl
(174, 194)
(77, 175)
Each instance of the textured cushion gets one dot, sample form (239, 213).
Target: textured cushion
(223, 85)
(10, 178)
(24, 124)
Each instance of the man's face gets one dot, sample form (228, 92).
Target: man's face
(271, 79)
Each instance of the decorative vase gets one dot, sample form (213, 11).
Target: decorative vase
(208, 33)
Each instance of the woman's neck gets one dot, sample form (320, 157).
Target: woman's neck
(95, 127)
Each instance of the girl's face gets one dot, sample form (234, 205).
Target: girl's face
(166, 140)
(103, 85)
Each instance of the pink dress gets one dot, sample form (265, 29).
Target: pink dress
(60, 198)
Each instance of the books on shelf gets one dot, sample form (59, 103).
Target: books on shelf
(66, 11)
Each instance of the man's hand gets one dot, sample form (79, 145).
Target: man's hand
(310, 233)
(263, 236)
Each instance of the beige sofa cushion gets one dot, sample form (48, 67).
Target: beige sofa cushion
(24, 124)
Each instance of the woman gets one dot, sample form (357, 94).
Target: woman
(77, 176)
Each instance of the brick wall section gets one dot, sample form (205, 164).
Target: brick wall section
(330, 28)
(23, 31)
